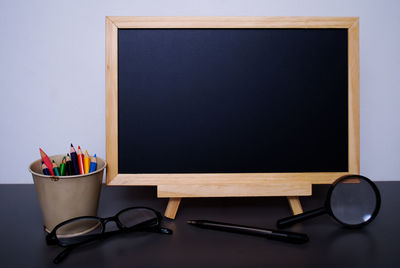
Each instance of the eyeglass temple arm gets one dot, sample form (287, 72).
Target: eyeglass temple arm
(155, 229)
(63, 254)
(162, 230)
(50, 239)
(158, 228)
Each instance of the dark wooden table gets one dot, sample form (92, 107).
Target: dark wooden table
(377, 245)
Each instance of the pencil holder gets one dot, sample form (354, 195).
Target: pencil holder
(65, 197)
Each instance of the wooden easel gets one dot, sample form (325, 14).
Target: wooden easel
(178, 186)
(173, 205)
(291, 190)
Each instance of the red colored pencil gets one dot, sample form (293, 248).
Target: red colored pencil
(47, 161)
(80, 161)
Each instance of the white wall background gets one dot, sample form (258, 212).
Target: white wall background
(52, 72)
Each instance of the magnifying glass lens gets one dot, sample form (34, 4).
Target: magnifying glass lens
(353, 201)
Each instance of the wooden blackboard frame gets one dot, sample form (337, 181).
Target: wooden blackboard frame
(176, 186)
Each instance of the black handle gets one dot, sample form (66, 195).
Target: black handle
(289, 221)
(297, 238)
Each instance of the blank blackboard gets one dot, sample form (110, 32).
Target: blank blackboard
(232, 100)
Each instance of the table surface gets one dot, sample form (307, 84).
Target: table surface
(376, 245)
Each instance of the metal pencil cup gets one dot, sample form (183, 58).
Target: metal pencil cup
(65, 197)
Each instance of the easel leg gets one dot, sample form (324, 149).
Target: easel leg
(295, 204)
(172, 207)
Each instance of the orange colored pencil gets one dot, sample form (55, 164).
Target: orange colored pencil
(80, 161)
(86, 162)
(47, 161)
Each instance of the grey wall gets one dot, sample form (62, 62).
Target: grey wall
(52, 82)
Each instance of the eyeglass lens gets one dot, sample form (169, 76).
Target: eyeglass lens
(79, 230)
(85, 229)
(137, 216)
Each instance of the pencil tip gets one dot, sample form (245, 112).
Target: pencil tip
(72, 145)
(94, 155)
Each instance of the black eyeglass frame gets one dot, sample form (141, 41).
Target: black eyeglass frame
(52, 239)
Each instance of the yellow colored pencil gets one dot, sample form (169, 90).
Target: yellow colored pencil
(86, 162)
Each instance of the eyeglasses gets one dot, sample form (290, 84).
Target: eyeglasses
(80, 230)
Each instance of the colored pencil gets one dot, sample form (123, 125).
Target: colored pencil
(55, 169)
(70, 166)
(46, 161)
(80, 161)
(93, 164)
(86, 162)
(45, 170)
(74, 159)
(63, 166)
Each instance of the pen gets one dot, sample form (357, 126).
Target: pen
(267, 233)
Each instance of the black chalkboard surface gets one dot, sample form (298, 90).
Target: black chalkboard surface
(232, 100)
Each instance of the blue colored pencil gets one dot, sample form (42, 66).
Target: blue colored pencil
(93, 164)
(45, 170)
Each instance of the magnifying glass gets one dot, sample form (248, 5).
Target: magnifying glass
(352, 200)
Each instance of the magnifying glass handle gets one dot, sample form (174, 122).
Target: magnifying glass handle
(289, 221)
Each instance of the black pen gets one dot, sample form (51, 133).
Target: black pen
(270, 234)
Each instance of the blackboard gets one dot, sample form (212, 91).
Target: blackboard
(231, 106)
(232, 100)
